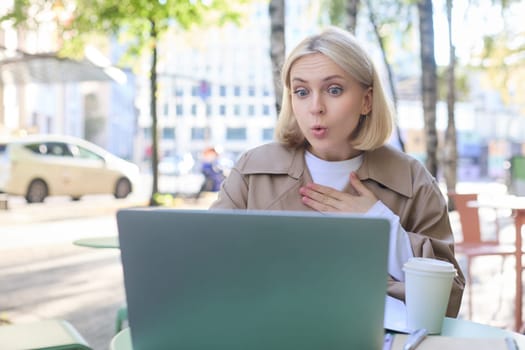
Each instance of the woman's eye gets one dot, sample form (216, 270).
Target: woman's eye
(300, 92)
(335, 90)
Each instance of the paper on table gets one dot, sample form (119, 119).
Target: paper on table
(437, 342)
(395, 315)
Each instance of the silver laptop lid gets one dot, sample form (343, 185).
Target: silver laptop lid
(237, 280)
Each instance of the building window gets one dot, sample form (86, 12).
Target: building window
(194, 91)
(178, 91)
(194, 109)
(266, 91)
(179, 110)
(147, 134)
(251, 91)
(266, 110)
(237, 110)
(222, 90)
(267, 134)
(208, 109)
(251, 110)
(236, 134)
(198, 133)
(222, 110)
(168, 133)
(166, 110)
(237, 90)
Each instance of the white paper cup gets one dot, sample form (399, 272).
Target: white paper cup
(427, 289)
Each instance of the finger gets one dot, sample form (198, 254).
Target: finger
(316, 205)
(315, 195)
(318, 200)
(358, 185)
(324, 190)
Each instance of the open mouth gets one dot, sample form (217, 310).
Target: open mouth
(319, 131)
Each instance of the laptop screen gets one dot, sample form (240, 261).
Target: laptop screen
(238, 280)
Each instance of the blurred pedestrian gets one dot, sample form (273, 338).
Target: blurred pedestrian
(212, 171)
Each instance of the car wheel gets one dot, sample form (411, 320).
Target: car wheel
(123, 188)
(36, 192)
(75, 198)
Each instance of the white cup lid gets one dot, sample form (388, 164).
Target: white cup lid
(430, 265)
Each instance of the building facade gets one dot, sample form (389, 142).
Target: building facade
(215, 84)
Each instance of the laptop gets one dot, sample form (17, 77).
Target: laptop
(253, 280)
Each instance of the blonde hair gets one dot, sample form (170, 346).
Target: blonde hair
(341, 47)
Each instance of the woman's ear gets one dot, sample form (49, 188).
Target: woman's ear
(367, 101)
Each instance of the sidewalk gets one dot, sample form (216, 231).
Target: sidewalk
(82, 285)
(58, 208)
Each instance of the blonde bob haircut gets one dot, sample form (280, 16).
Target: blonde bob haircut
(341, 47)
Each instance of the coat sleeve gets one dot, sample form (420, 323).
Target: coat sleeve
(430, 234)
(233, 192)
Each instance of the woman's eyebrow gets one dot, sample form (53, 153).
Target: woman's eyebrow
(299, 80)
(335, 76)
(328, 78)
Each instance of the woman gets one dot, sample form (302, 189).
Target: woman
(331, 156)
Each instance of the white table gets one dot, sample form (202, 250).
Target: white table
(452, 327)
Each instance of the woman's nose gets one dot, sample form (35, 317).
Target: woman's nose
(317, 106)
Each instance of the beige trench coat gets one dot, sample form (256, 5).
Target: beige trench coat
(269, 177)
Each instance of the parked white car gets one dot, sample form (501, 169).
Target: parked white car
(38, 166)
(176, 165)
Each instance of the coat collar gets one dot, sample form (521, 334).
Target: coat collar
(385, 165)
(278, 160)
(388, 167)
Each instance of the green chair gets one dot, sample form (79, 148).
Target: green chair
(122, 316)
(42, 335)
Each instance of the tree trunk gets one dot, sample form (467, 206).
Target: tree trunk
(428, 81)
(277, 47)
(153, 109)
(391, 82)
(351, 10)
(450, 149)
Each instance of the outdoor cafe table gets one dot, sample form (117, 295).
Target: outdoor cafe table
(452, 327)
(98, 242)
(517, 205)
(104, 242)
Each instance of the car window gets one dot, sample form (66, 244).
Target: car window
(58, 149)
(36, 148)
(50, 149)
(81, 152)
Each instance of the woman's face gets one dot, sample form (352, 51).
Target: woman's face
(327, 103)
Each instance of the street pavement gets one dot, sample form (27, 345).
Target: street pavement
(43, 275)
(85, 286)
